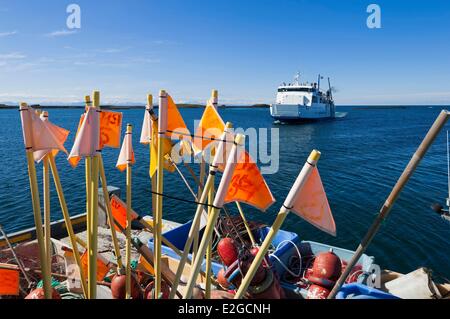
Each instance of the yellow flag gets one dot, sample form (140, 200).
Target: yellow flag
(167, 149)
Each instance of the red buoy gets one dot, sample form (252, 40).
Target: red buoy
(317, 292)
(38, 293)
(118, 287)
(326, 269)
(227, 251)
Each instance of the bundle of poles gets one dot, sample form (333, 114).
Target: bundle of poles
(207, 195)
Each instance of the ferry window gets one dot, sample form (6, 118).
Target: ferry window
(295, 90)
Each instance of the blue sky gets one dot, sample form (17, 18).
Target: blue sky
(243, 48)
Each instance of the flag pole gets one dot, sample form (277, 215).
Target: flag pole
(69, 228)
(149, 107)
(209, 248)
(114, 239)
(214, 100)
(437, 126)
(247, 227)
(198, 214)
(162, 125)
(218, 204)
(47, 208)
(284, 211)
(93, 243)
(36, 202)
(128, 229)
(47, 217)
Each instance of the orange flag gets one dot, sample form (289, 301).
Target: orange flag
(211, 126)
(119, 212)
(37, 134)
(248, 185)
(9, 280)
(126, 153)
(102, 266)
(312, 204)
(110, 129)
(175, 123)
(87, 140)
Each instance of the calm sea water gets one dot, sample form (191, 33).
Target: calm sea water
(362, 157)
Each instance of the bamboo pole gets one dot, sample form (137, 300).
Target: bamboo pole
(214, 99)
(247, 227)
(198, 214)
(128, 229)
(437, 126)
(114, 239)
(35, 200)
(284, 211)
(209, 248)
(47, 217)
(93, 243)
(66, 216)
(218, 203)
(162, 125)
(149, 108)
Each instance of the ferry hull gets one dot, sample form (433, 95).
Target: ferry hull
(302, 113)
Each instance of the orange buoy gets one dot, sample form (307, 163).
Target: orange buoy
(222, 279)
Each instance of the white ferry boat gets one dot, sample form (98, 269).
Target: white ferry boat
(303, 102)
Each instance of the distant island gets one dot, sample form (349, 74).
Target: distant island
(129, 107)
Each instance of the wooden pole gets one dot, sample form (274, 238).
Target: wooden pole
(218, 203)
(47, 217)
(93, 243)
(385, 210)
(162, 126)
(198, 214)
(128, 229)
(66, 216)
(284, 211)
(35, 199)
(114, 239)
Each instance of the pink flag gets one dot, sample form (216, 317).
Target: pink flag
(126, 155)
(38, 135)
(88, 137)
(146, 133)
(312, 205)
(59, 133)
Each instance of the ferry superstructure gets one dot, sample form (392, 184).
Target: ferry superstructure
(303, 102)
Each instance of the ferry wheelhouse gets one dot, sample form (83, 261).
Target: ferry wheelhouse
(303, 102)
